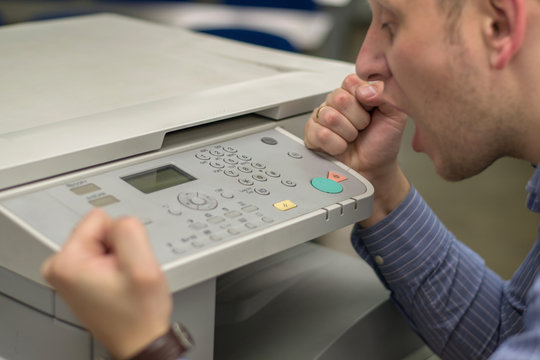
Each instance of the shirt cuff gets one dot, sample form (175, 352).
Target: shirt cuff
(406, 246)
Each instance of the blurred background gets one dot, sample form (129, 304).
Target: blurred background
(486, 212)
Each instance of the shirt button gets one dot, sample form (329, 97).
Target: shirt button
(379, 260)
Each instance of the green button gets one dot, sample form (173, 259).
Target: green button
(326, 185)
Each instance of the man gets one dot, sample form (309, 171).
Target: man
(466, 71)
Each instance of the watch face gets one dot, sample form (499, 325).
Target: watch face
(183, 336)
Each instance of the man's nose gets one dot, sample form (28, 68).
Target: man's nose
(371, 62)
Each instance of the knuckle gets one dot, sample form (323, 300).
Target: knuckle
(350, 80)
(341, 99)
(332, 118)
(329, 142)
(58, 273)
(128, 222)
(363, 122)
(351, 135)
(146, 277)
(322, 137)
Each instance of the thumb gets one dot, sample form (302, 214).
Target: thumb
(370, 97)
(369, 94)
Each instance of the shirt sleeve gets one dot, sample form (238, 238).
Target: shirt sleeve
(458, 306)
(525, 346)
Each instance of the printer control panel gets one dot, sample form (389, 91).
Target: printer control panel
(202, 198)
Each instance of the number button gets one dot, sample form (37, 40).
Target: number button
(245, 169)
(258, 165)
(273, 173)
(231, 173)
(262, 191)
(244, 157)
(230, 161)
(230, 149)
(259, 177)
(247, 182)
(202, 156)
(216, 165)
(217, 152)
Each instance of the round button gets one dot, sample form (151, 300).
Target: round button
(230, 161)
(216, 152)
(269, 140)
(288, 183)
(326, 185)
(216, 165)
(173, 210)
(215, 237)
(259, 177)
(230, 149)
(198, 201)
(262, 191)
(295, 155)
(273, 173)
(227, 195)
(258, 165)
(202, 156)
(247, 182)
(244, 157)
(245, 169)
(231, 173)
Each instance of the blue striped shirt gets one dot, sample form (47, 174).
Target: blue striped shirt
(461, 309)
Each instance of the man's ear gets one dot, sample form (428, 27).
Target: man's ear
(505, 30)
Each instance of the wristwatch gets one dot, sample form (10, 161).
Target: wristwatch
(170, 346)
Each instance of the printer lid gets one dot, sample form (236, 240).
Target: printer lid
(82, 91)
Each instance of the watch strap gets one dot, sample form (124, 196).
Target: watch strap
(170, 346)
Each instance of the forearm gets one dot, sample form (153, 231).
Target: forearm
(455, 303)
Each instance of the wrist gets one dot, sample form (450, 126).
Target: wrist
(390, 191)
(171, 345)
(126, 344)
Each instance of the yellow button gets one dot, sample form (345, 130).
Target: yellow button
(284, 205)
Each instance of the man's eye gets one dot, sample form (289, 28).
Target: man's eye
(390, 27)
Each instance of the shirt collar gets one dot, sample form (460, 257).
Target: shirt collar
(533, 187)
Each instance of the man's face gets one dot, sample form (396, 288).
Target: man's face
(437, 75)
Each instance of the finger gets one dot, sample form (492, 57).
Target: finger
(334, 120)
(320, 138)
(89, 235)
(368, 93)
(347, 107)
(351, 84)
(46, 269)
(129, 242)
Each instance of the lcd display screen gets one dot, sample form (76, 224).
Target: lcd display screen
(158, 179)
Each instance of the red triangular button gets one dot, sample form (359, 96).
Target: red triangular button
(336, 177)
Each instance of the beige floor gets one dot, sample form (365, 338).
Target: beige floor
(487, 212)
